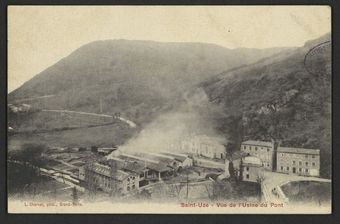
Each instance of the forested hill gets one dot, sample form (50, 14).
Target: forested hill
(286, 98)
(135, 78)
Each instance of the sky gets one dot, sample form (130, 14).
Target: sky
(39, 36)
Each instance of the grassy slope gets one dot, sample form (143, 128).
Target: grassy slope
(105, 136)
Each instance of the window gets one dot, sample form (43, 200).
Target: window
(306, 170)
(287, 168)
(255, 148)
(128, 188)
(247, 176)
(300, 163)
(267, 149)
(247, 168)
(293, 162)
(244, 147)
(300, 169)
(268, 164)
(281, 167)
(313, 156)
(306, 163)
(313, 164)
(133, 187)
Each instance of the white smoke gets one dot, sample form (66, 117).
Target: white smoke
(195, 116)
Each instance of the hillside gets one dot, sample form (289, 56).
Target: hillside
(286, 98)
(139, 79)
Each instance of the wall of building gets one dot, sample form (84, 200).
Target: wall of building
(208, 163)
(265, 153)
(188, 162)
(299, 164)
(130, 183)
(98, 181)
(251, 173)
(204, 147)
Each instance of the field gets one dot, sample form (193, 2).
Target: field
(109, 135)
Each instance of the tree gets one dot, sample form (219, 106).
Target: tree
(31, 154)
(144, 195)
(231, 169)
(74, 195)
(222, 189)
(24, 167)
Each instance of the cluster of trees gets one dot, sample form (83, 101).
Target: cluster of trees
(23, 167)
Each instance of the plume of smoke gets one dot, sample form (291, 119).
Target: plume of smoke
(194, 116)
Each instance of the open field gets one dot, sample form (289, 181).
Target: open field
(99, 136)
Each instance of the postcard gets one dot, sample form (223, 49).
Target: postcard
(169, 109)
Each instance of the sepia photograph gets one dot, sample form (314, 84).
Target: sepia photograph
(169, 109)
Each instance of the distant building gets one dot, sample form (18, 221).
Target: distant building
(106, 151)
(19, 108)
(139, 169)
(183, 160)
(159, 171)
(104, 178)
(261, 149)
(298, 161)
(251, 169)
(206, 146)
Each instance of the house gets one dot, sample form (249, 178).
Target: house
(174, 160)
(104, 178)
(105, 151)
(206, 146)
(261, 149)
(183, 160)
(98, 177)
(139, 169)
(159, 170)
(126, 181)
(251, 169)
(160, 158)
(298, 161)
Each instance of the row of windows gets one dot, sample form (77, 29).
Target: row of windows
(300, 163)
(300, 170)
(132, 178)
(132, 188)
(255, 147)
(265, 164)
(290, 154)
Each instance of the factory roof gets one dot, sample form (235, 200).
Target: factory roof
(159, 167)
(177, 157)
(135, 167)
(102, 169)
(257, 143)
(298, 150)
